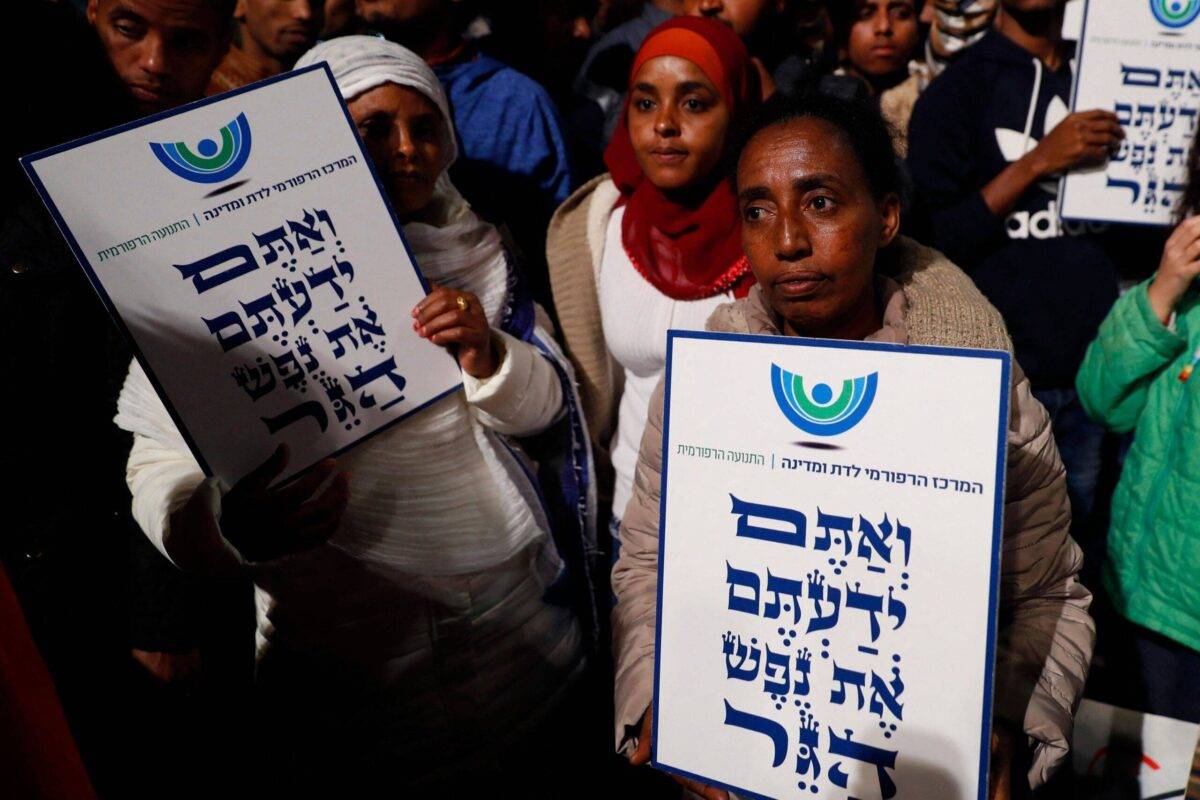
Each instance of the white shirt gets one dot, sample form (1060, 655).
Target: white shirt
(636, 317)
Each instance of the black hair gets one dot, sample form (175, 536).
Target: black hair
(844, 13)
(857, 119)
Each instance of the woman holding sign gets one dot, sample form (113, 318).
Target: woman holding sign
(448, 618)
(818, 192)
(655, 243)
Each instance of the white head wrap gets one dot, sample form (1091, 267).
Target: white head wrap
(454, 247)
(360, 63)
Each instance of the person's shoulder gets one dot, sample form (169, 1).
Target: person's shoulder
(586, 208)
(506, 83)
(629, 34)
(945, 307)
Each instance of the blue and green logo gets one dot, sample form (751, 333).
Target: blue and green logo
(1175, 13)
(209, 162)
(816, 410)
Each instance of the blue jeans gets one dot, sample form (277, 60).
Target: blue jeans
(1079, 442)
(1170, 675)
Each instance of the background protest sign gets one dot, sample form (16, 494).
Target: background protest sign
(245, 247)
(828, 566)
(1141, 60)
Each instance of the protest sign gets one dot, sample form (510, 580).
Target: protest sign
(1121, 752)
(831, 523)
(1138, 59)
(246, 248)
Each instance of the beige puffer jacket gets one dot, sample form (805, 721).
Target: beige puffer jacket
(1045, 633)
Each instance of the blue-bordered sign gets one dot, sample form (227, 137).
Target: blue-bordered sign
(806, 582)
(267, 294)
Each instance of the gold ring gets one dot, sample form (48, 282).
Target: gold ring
(463, 305)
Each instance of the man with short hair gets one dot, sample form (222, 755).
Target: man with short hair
(988, 141)
(164, 51)
(268, 37)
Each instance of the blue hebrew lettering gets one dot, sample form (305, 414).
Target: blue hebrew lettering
(744, 654)
(863, 601)
(220, 327)
(287, 292)
(742, 579)
(817, 592)
(843, 676)
(873, 541)
(806, 753)
(777, 676)
(756, 724)
(788, 517)
(384, 369)
(802, 686)
(789, 589)
(240, 255)
(307, 410)
(830, 523)
(882, 759)
(268, 242)
(886, 694)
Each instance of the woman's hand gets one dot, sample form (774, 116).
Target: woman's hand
(451, 318)
(1179, 267)
(170, 668)
(265, 524)
(641, 755)
(1000, 774)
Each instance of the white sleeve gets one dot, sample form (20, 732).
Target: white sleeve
(523, 397)
(165, 482)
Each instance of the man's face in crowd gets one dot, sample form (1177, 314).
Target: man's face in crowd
(164, 51)
(397, 12)
(283, 29)
(746, 17)
(339, 18)
(884, 36)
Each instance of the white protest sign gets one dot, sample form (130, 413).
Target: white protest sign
(1141, 60)
(1113, 745)
(246, 248)
(828, 566)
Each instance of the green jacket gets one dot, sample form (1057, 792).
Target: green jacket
(1129, 381)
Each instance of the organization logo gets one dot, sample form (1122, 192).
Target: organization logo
(209, 162)
(1175, 13)
(817, 410)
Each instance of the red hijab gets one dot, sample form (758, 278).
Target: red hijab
(692, 251)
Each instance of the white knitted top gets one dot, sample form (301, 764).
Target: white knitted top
(636, 317)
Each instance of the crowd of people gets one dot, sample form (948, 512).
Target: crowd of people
(574, 178)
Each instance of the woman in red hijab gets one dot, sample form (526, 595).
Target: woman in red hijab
(655, 243)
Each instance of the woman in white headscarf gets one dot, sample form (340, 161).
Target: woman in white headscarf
(452, 609)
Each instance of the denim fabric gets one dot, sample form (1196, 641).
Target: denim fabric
(1170, 676)
(1079, 442)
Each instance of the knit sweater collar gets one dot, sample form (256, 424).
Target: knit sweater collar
(926, 300)
(760, 318)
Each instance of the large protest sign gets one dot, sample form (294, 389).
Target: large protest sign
(1139, 59)
(246, 248)
(831, 522)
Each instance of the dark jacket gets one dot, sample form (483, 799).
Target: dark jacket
(1052, 281)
